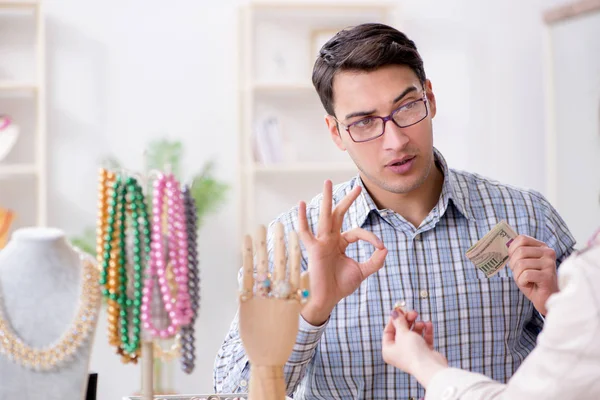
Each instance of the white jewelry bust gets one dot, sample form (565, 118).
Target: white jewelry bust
(41, 280)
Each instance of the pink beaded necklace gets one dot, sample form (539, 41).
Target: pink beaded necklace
(178, 309)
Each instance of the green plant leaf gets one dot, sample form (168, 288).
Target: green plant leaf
(162, 153)
(86, 242)
(208, 192)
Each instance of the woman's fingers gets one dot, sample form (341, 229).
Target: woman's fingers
(428, 334)
(389, 332)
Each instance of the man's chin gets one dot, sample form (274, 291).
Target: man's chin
(403, 185)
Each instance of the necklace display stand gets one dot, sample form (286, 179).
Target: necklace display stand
(42, 278)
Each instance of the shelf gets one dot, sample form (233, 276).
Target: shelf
(276, 87)
(270, 5)
(11, 170)
(302, 168)
(10, 86)
(18, 5)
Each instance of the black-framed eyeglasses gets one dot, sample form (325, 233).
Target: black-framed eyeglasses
(372, 127)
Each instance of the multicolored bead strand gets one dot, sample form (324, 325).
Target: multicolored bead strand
(106, 180)
(109, 274)
(188, 350)
(178, 309)
(127, 197)
(141, 250)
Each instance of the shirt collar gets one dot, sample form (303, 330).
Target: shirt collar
(451, 190)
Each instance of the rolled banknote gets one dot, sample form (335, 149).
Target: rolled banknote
(490, 253)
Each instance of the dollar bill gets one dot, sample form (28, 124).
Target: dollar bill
(490, 253)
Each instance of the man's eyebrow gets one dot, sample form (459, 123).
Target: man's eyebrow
(406, 91)
(360, 114)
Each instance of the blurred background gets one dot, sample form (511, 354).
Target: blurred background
(225, 85)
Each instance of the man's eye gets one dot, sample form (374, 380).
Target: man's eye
(409, 106)
(363, 123)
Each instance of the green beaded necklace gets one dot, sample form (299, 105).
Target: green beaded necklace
(124, 194)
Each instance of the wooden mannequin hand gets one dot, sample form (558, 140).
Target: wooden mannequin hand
(270, 307)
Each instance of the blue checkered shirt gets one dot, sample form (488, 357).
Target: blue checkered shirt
(482, 325)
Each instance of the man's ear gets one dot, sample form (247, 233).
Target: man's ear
(430, 99)
(335, 132)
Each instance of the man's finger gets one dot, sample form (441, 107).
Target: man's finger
(531, 276)
(304, 232)
(373, 264)
(523, 240)
(357, 234)
(324, 226)
(528, 252)
(342, 207)
(520, 266)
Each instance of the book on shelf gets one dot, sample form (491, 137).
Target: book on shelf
(268, 141)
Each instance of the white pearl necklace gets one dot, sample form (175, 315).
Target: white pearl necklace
(70, 341)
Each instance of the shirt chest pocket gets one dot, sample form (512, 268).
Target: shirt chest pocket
(500, 289)
(499, 305)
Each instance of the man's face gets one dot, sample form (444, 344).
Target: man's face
(399, 161)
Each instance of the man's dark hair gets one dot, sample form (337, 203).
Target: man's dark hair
(365, 47)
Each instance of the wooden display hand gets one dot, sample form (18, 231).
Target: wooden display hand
(269, 313)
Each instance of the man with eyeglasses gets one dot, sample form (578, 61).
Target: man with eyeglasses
(399, 232)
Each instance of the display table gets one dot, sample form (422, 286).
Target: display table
(237, 396)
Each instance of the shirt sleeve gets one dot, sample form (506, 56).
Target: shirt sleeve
(555, 232)
(454, 384)
(231, 371)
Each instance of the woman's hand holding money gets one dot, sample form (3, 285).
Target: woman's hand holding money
(533, 264)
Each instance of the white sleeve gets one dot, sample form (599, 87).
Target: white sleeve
(565, 364)
(455, 384)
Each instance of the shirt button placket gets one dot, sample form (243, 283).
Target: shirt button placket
(421, 260)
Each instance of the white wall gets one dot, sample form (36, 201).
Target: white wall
(123, 72)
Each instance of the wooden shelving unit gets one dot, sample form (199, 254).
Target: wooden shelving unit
(278, 49)
(32, 89)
